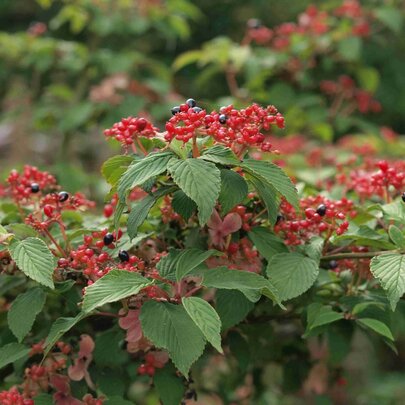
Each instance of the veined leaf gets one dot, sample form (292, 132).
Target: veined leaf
(12, 352)
(190, 259)
(319, 315)
(266, 242)
(114, 167)
(397, 236)
(222, 155)
(167, 264)
(200, 181)
(114, 286)
(270, 197)
(233, 190)
(169, 327)
(34, 258)
(183, 205)
(169, 387)
(376, 326)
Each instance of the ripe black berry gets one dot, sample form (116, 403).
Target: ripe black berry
(175, 110)
(222, 118)
(333, 264)
(279, 218)
(403, 196)
(34, 188)
(197, 109)
(63, 196)
(191, 102)
(123, 255)
(321, 210)
(108, 239)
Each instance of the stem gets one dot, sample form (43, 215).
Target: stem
(48, 234)
(196, 152)
(356, 256)
(139, 143)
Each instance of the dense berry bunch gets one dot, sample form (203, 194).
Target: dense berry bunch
(153, 360)
(318, 216)
(13, 397)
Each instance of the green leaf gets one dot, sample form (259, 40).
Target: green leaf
(389, 269)
(266, 242)
(269, 196)
(222, 155)
(24, 310)
(114, 167)
(206, 318)
(114, 286)
(377, 326)
(169, 386)
(292, 274)
(190, 259)
(59, 328)
(397, 236)
(390, 17)
(139, 212)
(183, 205)
(314, 248)
(43, 399)
(250, 284)
(232, 307)
(233, 190)
(12, 352)
(141, 171)
(350, 48)
(34, 258)
(119, 210)
(273, 175)
(169, 327)
(201, 182)
(319, 315)
(167, 264)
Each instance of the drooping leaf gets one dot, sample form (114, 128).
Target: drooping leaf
(180, 336)
(200, 180)
(183, 205)
(34, 258)
(389, 269)
(292, 274)
(273, 175)
(190, 259)
(206, 318)
(12, 352)
(266, 242)
(141, 171)
(233, 190)
(314, 248)
(376, 326)
(24, 310)
(232, 307)
(114, 286)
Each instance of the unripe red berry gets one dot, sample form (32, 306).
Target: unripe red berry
(48, 210)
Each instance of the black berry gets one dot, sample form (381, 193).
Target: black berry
(34, 188)
(279, 218)
(123, 255)
(191, 102)
(403, 196)
(333, 264)
(63, 196)
(321, 210)
(175, 110)
(108, 239)
(222, 118)
(197, 109)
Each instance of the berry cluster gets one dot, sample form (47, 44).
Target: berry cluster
(318, 216)
(13, 397)
(153, 360)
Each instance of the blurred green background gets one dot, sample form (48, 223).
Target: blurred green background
(69, 69)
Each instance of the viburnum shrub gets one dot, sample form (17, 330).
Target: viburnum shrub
(204, 243)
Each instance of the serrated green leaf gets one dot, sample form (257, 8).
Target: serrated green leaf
(233, 190)
(24, 310)
(114, 167)
(169, 386)
(272, 175)
(389, 269)
(169, 327)
(250, 284)
(190, 259)
(59, 328)
(12, 352)
(114, 286)
(200, 180)
(292, 274)
(397, 236)
(119, 210)
(183, 205)
(34, 258)
(314, 248)
(266, 242)
(141, 171)
(270, 198)
(220, 154)
(232, 307)
(138, 214)
(167, 264)
(377, 326)
(206, 318)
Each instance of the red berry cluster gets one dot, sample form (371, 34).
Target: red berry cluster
(13, 397)
(129, 129)
(152, 362)
(318, 216)
(345, 89)
(167, 211)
